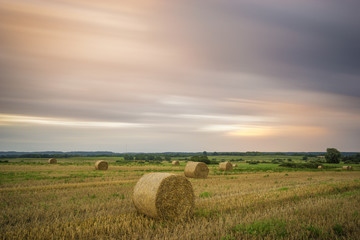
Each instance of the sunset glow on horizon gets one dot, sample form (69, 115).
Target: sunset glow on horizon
(179, 75)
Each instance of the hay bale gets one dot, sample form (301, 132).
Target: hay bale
(234, 165)
(347, 167)
(52, 161)
(101, 165)
(175, 163)
(320, 167)
(227, 166)
(164, 195)
(196, 170)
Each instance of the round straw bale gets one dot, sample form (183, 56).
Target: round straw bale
(52, 161)
(175, 163)
(347, 167)
(101, 165)
(320, 167)
(234, 165)
(164, 195)
(227, 166)
(196, 170)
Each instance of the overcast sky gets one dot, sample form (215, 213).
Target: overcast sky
(179, 75)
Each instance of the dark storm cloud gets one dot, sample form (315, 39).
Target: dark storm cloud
(328, 34)
(308, 44)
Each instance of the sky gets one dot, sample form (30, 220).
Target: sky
(180, 75)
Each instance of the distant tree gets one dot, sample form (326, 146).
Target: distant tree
(352, 159)
(332, 155)
(305, 158)
(204, 153)
(128, 157)
(140, 157)
(167, 158)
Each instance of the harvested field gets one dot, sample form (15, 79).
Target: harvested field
(81, 203)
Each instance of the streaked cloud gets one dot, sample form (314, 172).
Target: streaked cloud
(252, 131)
(180, 75)
(18, 119)
(226, 118)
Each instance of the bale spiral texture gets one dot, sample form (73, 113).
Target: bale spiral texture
(101, 165)
(164, 195)
(196, 170)
(175, 163)
(52, 161)
(227, 166)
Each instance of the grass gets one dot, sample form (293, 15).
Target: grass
(205, 195)
(263, 228)
(73, 201)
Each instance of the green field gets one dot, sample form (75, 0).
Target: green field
(71, 200)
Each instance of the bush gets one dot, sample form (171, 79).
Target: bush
(277, 160)
(253, 162)
(214, 162)
(203, 159)
(354, 159)
(313, 165)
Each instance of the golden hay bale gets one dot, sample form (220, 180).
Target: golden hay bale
(234, 165)
(101, 165)
(347, 167)
(196, 170)
(175, 163)
(164, 195)
(52, 161)
(227, 166)
(320, 167)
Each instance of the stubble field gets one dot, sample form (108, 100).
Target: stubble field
(70, 200)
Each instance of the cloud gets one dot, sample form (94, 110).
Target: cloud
(32, 120)
(307, 44)
(180, 75)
